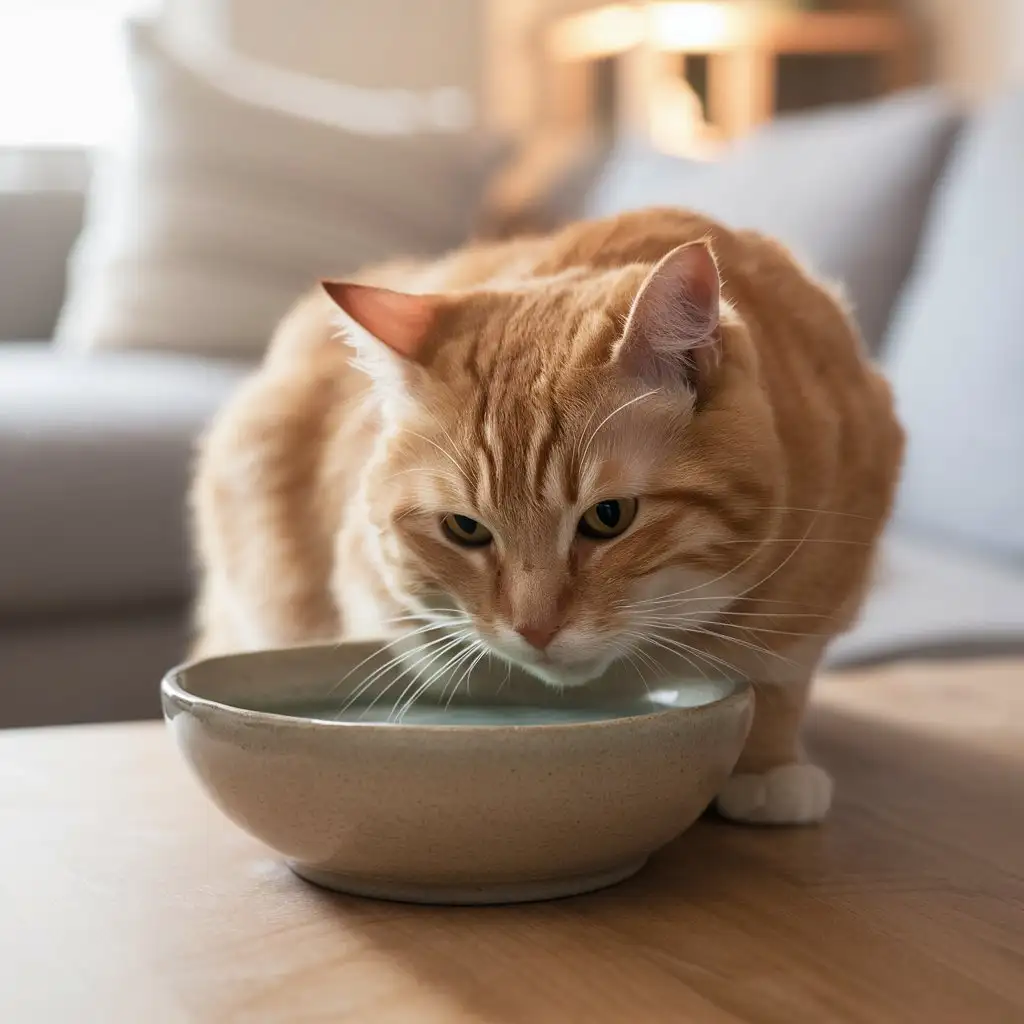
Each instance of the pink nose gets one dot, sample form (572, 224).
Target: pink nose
(538, 635)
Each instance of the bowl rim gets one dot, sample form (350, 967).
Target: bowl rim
(171, 689)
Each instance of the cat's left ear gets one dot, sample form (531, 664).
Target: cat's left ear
(400, 321)
(674, 318)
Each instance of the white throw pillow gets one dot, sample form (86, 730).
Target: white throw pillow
(217, 212)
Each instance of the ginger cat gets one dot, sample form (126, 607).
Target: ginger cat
(641, 438)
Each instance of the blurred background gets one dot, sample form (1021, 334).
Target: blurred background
(173, 174)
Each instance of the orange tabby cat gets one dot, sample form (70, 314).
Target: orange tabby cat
(646, 437)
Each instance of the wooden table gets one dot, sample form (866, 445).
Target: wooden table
(125, 897)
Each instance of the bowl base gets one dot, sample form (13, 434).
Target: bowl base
(527, 891)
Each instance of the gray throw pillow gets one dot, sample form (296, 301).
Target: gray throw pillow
(956, 352)
(846, 188)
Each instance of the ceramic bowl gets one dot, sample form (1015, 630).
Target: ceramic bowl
(514, 791)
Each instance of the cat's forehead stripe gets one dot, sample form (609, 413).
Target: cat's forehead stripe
(480, 418)
(523, 435)
(547, 439)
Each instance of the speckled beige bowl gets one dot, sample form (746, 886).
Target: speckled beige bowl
(516, 793)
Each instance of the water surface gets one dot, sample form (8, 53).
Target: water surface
(569, 708)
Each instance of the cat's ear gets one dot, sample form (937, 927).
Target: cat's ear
(674, 318)
(401, 322)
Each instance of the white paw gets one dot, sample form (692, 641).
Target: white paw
(792, 794)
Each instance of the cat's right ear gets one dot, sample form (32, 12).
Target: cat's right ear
(673, 324)
(397, 320)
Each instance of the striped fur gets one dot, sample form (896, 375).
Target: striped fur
(764, 468)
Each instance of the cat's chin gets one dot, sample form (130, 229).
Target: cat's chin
(564, 677)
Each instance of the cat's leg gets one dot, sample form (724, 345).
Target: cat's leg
(773, 783)
(221, 623)
(368, 611)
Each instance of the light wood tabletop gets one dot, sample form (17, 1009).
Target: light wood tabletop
(125, 896)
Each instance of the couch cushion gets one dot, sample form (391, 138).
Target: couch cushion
(846, 188)
(933, 600)
(94, 462)
(206, 223)
(956, 354)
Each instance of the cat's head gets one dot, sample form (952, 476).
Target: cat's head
(570, 464)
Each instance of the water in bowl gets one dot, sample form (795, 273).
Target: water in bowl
(569, 710)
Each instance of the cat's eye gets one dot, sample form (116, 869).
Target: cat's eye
(465, 531)
(608, 519)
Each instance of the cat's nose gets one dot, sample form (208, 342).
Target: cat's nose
(538, 634)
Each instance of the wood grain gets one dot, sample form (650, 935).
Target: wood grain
(125, 896)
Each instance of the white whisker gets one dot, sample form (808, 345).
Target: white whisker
(781, 564)
(798, 540)
(614, 412)
(628, 655)
(402, 656)
(675, 645)
(468, 672)
(773, 632)
(703, 586)
(684, 654)
(462, 659)
(426, 662)
(575, 461)
(670, 611)
(813, 511)
(442, 474)
(434, 621)
(451, 440)
(647, 639)
(451, 458)
(381, 650)
(702, 630)
(399, 711)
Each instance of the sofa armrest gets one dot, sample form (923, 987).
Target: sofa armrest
(95, 458)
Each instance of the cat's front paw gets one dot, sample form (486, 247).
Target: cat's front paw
(792, 794)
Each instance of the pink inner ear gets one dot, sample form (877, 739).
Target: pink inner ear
(675, 311)
(400, 321)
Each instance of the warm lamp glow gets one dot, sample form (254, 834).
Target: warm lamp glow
(743, 41)
(695, 26)
(706, 26)
(684, 25)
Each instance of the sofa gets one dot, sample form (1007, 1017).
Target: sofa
(910, 204)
